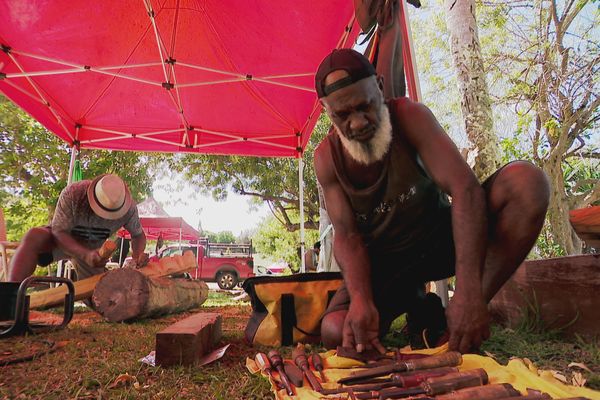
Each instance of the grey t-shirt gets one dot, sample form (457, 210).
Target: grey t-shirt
(74, 215)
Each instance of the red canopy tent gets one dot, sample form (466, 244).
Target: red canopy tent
(172, 75)
(170, 228)
(156, 222)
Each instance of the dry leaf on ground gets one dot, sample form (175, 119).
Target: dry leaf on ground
(578, 379)
(579, 365)
(123, 380)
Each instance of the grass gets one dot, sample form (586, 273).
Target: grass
(97, 352)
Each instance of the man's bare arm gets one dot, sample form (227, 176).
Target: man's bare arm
(361, 326)
(448, 170)
(349, 248)
(73, 248)
(138, 245)
(469, 217)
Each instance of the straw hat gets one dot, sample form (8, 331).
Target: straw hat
(109, 197)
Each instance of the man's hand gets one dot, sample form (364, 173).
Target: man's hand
(361, 327)
(468, 322)
(142, 260)
(137, 261)
(93, 259)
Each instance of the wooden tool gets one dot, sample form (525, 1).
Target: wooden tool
(265, 366)
(277, 363)
(433, 386)
(294, 374)
(450, 359)
(409, 379)
(488, 392)
(299, 357)
(107, 249)
(395, 380)
(317, 363)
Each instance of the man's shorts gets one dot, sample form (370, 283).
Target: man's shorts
(83, 269)
(398, 279)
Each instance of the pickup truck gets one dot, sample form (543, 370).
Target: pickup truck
(224, 263)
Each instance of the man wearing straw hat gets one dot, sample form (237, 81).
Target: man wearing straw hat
(87, 213)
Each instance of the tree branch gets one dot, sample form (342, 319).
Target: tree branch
(584, 200)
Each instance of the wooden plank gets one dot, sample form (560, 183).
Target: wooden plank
(184, 342)
(85, 287)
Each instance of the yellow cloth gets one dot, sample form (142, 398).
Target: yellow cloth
(519, 373)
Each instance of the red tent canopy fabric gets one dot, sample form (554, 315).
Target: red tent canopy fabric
(156, 222)
(207, 76)
(167, 227)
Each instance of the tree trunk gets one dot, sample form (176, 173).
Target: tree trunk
(126, 294)
(558, 209)
(475, 101)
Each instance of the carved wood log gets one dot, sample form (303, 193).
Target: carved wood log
(85, 287)
(563, 292)
(126, 294)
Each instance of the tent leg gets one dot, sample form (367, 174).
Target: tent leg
(74, 152)
(121, 252)
(301, 184)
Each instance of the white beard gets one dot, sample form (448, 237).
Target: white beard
(374, 150)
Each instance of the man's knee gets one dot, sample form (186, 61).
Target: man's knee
(38, 239)
(331, 329)
(524, 185)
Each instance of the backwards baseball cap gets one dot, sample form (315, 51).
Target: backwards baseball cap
(355, 64)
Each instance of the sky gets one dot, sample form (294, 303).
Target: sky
(235, 214)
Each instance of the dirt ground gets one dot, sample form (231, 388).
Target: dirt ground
(94, 359)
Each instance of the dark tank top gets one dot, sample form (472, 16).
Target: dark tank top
(403, 208)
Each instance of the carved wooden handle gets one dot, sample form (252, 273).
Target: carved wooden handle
(487, 392)
(107, 249)
(450, 359)
(455, 381)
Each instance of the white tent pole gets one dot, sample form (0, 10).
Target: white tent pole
(411, 51)
(72, 164)
(121, 251)
(180, 231)
(301, 185)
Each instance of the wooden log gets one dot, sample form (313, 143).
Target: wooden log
(562, 291)
(85, 287)
(184, 342)
(126, 294)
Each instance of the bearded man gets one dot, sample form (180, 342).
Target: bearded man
(387, 169)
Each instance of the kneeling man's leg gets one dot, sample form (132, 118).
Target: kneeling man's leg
(332, 327)
(36, 246)
(517, 200)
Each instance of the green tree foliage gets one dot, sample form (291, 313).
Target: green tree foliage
(271, 180)
(541, 58)
(273, 240)
(34, 166)
(549, 75)
(220, 237)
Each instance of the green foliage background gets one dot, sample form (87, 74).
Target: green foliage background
(34, 167)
